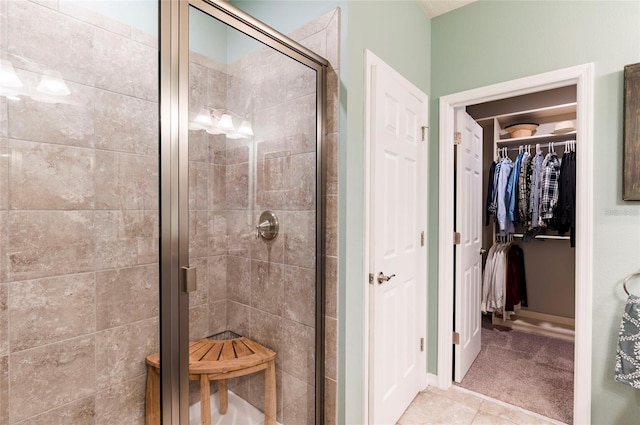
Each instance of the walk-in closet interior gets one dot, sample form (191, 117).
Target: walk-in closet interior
(528, 299)
(141, 207)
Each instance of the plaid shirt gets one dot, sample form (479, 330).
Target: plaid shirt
(524, 189)
(536, 188)
(549, 189)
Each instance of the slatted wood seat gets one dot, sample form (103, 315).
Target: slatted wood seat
(217, 360)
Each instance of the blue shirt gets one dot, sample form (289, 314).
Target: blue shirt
(505, 225)
(512, 188)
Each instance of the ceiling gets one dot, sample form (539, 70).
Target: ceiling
(434, 8)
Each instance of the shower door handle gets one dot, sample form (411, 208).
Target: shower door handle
(189, 278)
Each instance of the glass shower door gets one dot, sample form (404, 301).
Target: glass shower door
(253, 211)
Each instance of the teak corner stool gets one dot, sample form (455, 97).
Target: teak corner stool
(218, 360)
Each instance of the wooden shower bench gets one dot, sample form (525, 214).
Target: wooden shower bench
(218, 360)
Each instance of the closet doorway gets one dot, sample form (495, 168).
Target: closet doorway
(579, 81)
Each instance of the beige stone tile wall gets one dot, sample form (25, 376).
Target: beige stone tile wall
(78, 219)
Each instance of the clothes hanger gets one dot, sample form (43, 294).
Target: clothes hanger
(628, 278)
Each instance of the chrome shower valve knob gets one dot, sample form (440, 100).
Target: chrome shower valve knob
(268, 226)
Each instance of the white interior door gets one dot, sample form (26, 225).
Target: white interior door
(397, 255)
(468, 286)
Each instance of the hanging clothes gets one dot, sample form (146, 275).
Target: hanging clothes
(505, 225)
(492, 296)
(549, 188)
(496, 203)
(516, 287)
(566, 211)
(536, 183)
(493, 206)
(524, 190)
(490, 188)
(503, 281)
(512, 189)
(534, 191)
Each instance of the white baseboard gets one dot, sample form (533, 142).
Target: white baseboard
(432, 380)
(538, 323)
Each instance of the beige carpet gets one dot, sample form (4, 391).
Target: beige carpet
(527, 370)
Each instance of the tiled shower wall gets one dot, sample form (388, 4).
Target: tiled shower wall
(266, 290)
(78, 219)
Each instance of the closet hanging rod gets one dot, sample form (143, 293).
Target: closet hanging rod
(556, 237)
(543, 138)
(542, 145)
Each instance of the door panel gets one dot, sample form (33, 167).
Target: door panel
(468, 256)
(397, 366)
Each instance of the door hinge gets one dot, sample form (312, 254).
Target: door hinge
(422, 238)
(457, 138)
(456, 238)
(370, 278)
(421, 344)
(424, 129)
(456, 338)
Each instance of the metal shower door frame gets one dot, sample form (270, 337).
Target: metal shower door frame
(174, 194)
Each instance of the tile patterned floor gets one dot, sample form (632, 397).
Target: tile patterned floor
(458, 406)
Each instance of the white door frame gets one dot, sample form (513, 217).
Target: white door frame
(582, 77)
(371, 62)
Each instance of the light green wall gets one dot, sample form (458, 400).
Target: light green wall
(495, 41)
(398, 32)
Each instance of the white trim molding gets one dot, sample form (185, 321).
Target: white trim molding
(581, 76)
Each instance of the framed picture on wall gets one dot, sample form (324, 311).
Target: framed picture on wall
(631, 166)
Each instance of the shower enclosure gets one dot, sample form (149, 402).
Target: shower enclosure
(249, 131)
(121, 175)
